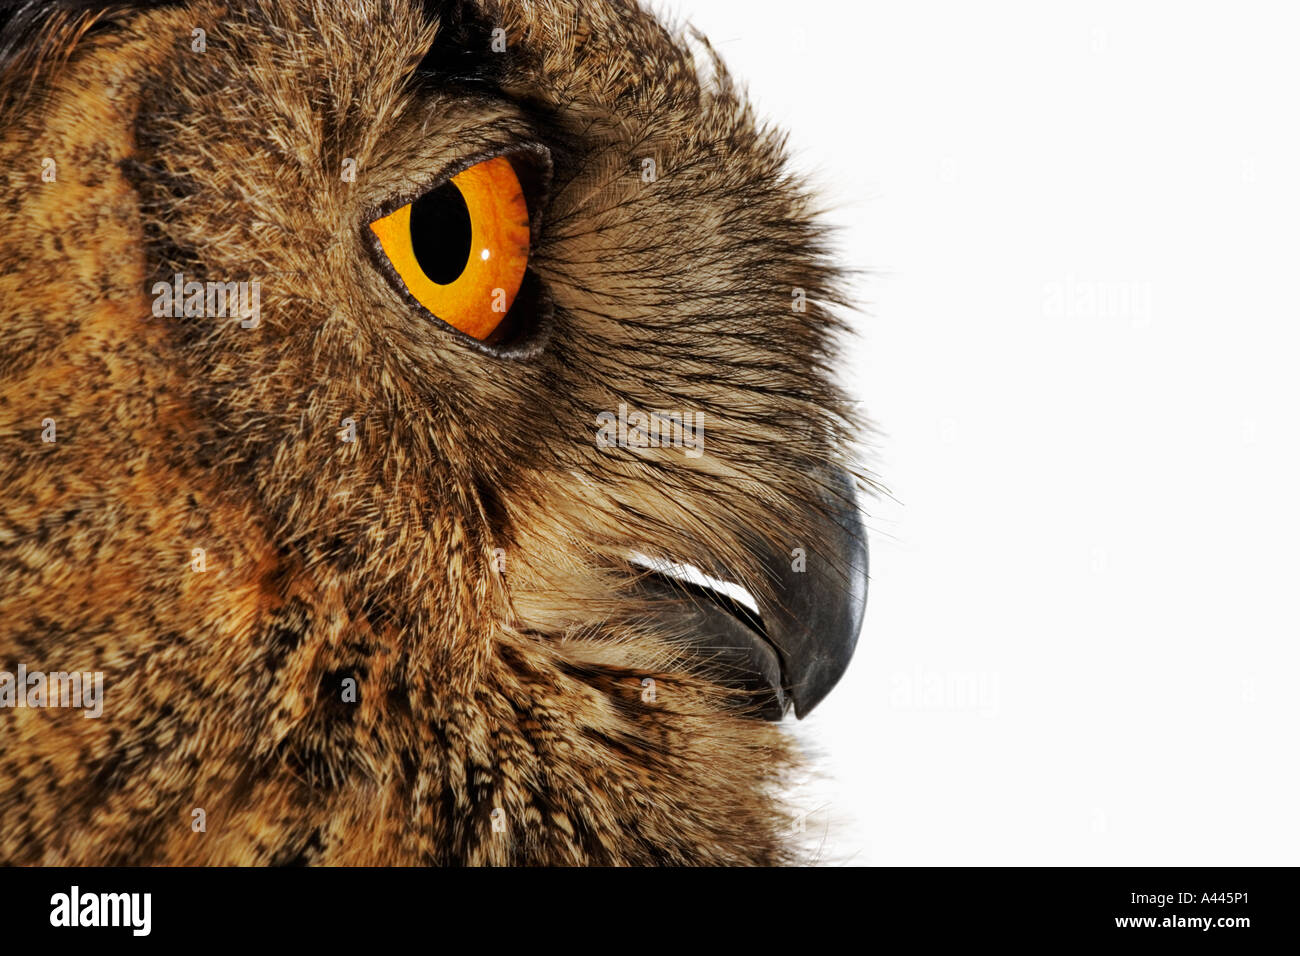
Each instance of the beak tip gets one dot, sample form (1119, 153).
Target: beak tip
(837, 629)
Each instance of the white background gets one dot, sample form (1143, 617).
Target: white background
(1078, 340)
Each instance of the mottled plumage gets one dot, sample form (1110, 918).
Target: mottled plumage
(466, 561)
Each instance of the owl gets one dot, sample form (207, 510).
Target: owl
(419, 437)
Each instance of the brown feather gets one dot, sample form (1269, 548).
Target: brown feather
(374, 560)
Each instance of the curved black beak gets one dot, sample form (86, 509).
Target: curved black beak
(814, 619)
(798, 645)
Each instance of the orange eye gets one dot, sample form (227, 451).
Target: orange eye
(461, 249)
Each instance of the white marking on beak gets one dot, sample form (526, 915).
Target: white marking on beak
(690, 574)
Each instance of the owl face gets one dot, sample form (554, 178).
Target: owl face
(518, 416)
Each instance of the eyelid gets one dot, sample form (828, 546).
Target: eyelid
(532, 154)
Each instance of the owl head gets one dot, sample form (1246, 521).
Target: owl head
(448, 465)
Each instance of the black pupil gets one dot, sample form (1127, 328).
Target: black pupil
(440, 233)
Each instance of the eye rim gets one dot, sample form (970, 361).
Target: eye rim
(533, 167)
